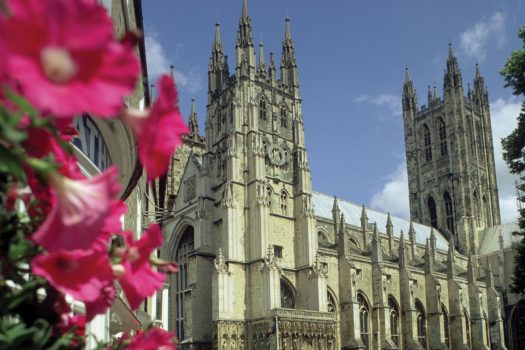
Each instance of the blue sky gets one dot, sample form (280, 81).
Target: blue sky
(351, 57)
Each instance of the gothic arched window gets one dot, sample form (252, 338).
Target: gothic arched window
(421, 324)
(184, 248)
(394, 320)
(442, 138)
(467, 329)
(432, 212)
(517, 325)
(262, 109)
(284, 118)
(284, 202)
(364, 320)
(446, 325)
(449, 212)
(427, 141)
(287, 295)
(330, 302)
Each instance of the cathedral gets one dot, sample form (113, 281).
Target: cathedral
(268, 263)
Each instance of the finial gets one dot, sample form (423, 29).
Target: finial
(287, 34)
(261, 54)
(388, 220)
(450, 50)
(336, 204)
(407, 74)
(172, 72)
(477, 70)
(217, 32)
(436, 94)
(363, 213)
(192, 105)
(244, 8)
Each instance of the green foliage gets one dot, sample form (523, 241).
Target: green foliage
(514, 70)
(514, 151)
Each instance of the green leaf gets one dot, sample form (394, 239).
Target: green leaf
(10, 163)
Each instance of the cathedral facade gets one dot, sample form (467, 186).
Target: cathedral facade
(267, 263)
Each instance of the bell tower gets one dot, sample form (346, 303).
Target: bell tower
(450, 158)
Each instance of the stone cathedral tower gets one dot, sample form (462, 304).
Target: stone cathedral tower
(450, 158)
(248, 205)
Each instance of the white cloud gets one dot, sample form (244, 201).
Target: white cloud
(158, 64)
(503, 114)
(474, 40)
(393, 196)
(392, 103)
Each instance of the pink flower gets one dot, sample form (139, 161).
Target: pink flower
(139, 280)
(160, 131)
(153, 339)
(63, 56)
(86, 275)
(81, 210)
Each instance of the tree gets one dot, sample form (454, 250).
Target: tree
(514, 152)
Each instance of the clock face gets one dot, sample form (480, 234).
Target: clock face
(277, 154)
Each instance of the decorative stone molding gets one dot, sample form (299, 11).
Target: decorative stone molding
(308, 209)
(319, 267)
(220, 264)
(228, 198)
(270, 261)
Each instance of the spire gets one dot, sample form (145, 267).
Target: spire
(452, 77)
(172, 72)
(261, 54)
(217, 40)
(217, 51)
(364, 226)
(271, 70)
(412, 238)
(430, 96)
(261, 67)
(451, 260)
(244, 8)
(390, 233)
(429, 260)
(436, 93)
(402, 251)
(335, 214)
(407, 75)
(287, 35)
(409, 93)
(377, 251)
(479, 83)
(433, 243)
(193, 124)
(244, 34)
(288, 66)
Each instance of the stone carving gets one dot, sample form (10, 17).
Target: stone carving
(220, 264)
(319, 267)
(229, 335)
(270, 261)
(228, 198)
